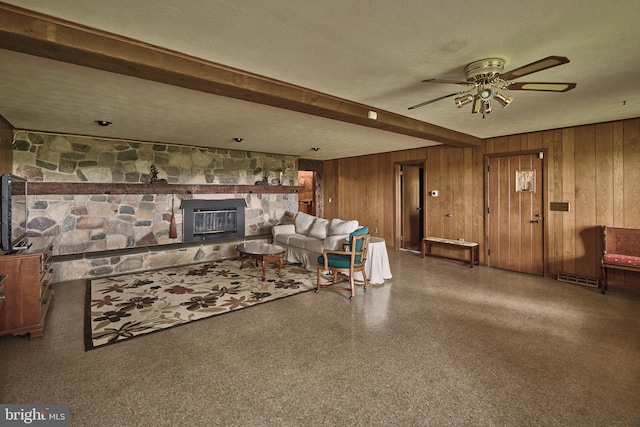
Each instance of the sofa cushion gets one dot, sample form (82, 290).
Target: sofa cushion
(338, 226)
(314, 245)
(622, 259)
(283, 239)
(283, 229)
(335, 242)
(300, 241)
(303, 222)
(287, 218)
(319, 228)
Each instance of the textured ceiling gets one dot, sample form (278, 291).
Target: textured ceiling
(372, 52)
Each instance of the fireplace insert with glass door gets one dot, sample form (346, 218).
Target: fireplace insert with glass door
(212, 219)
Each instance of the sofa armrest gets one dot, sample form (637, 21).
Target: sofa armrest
(283, 229)
(336, 242)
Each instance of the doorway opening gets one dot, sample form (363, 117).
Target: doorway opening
(306, 199)
(410, 218)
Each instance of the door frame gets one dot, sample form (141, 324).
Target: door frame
(545, 204)
(397, 214)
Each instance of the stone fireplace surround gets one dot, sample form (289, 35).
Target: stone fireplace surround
(108, 220)
(111, 254)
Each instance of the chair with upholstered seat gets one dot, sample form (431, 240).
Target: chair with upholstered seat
(345, 263)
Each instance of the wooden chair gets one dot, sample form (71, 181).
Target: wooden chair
(346, 263)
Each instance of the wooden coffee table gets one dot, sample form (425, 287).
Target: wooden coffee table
(263, 253)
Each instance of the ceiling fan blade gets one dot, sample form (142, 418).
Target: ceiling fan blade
(455, 82)
(544, 87)
(534, 67)
(434, 100)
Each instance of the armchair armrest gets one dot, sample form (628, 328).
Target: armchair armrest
(327, 252)
(335, 251)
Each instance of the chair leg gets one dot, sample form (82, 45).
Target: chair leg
(353, 287)
(366, 281)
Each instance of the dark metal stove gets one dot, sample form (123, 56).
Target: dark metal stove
(212, 219)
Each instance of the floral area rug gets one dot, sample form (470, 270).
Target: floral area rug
(123, 307)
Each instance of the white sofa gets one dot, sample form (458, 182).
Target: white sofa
(308, 236)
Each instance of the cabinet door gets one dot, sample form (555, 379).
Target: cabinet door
(23, 291)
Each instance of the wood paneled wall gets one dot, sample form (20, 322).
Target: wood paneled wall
(596, 168)
(6, 146)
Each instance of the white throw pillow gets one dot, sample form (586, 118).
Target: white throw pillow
(303, 222)
(319, 228)
(339, 226)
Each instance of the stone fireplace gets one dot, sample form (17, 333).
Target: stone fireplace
(213, 219)
(124, 226)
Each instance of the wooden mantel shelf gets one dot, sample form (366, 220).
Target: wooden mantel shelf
(41, 188)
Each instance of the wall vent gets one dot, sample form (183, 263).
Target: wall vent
(578, 280)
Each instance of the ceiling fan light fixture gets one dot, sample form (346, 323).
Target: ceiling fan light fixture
(485, 93)
(477, 102)
(461, 101)
(485, 107)
(502, 99)
(487, 78)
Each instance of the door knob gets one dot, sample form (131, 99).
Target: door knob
(537, 221)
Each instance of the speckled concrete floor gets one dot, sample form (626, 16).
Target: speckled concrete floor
(440, 344)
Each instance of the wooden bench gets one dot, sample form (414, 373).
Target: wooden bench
(472, 247)
(621, 250)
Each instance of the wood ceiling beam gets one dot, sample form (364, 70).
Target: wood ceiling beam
(40, 35)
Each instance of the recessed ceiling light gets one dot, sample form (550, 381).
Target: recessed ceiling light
(315, 148)
(103, 122)
(238, 139)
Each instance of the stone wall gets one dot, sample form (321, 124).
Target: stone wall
(86, 224)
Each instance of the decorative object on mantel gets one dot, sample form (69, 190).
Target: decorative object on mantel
(265, 178)
(119, 308)
(173, 231)
(154, 176)
(282, 171)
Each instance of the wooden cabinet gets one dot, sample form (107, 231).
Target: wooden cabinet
(27, 289)
(2, 279)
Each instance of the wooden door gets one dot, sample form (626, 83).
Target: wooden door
(411, 207)
(515, 213)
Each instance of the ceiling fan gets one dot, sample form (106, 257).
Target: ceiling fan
(486, 80)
